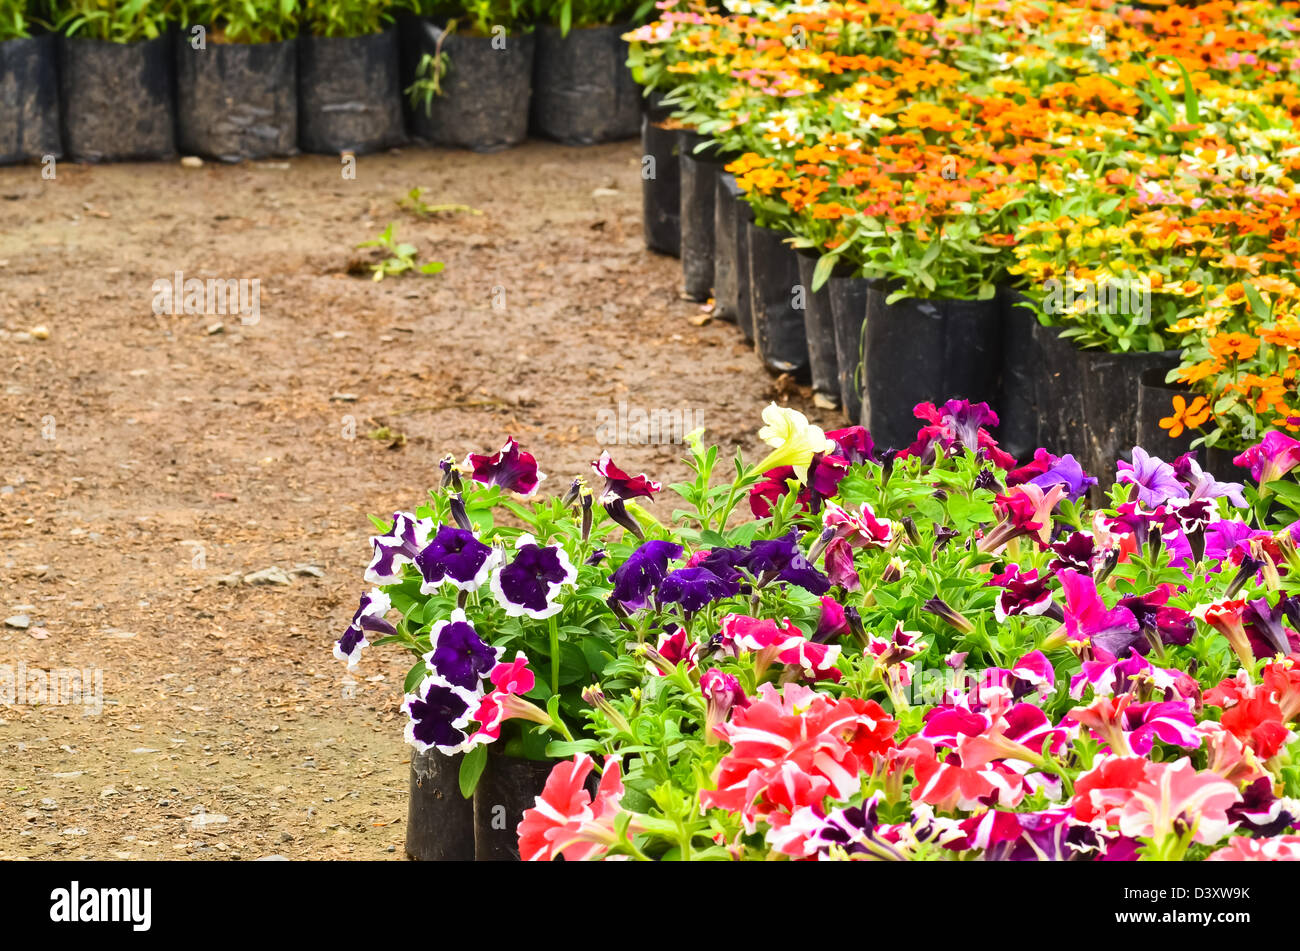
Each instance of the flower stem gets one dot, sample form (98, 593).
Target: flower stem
(555, 653)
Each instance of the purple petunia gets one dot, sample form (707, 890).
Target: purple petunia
(636, 579)
(454, 557)
(1201, 485)
(459, 655)
(398, 547)
(1155, 479)
(440, 714)
(529, 584)
(781, 559)
(693, 588)
(368, 619)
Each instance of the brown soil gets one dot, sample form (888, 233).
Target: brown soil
(148, 459)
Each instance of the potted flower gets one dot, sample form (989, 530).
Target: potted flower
(115, 79)
(349, 89)
(237, 79)
(29, 105)
(473, 74)
(582, 90)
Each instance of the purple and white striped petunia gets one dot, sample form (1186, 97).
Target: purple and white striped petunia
(454, 557)
(511, 468)
(529, 585)
(398, 547)
(440, 714)
(368, 619)
(459, 655)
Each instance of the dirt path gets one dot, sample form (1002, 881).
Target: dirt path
(147, 459)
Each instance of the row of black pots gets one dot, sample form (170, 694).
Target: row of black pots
(444, 826)
(879, 359)
(101, 101)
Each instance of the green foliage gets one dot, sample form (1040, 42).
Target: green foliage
(576, 14)
(14, 22)
(401, 256)
(118, 21)
(243, 21)
(347, 17)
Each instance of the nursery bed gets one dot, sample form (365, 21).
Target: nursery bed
(226, 732)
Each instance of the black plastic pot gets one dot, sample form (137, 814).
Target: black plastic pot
(1218, 462)
(779, 338)
(926, 350)
(699, 175)
(237, 101)
(583, 92)
(731, 256)
(29, 99)
(661, 188)
(439, 820)
(819, 330)
(1017, 403)
(849, 312)
(653, 106)
(349, 93)
(484, 101)
(508, 786)
(1110, 404)
(115, 100)
(1058, 391)
(1155, 402)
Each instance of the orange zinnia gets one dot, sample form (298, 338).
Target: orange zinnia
(1186, 417)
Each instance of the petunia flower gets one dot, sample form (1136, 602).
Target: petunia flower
(1048, 470)
(459, 655)
(636, 579)
(1154, 478)
(766, 639)
(1174, 797)
(793, 439)
(454, 557)
(369, 619)
(510, 468)
(398, 547)
(1130, 728)
(1024, 510)
(696, 588)
(1023, 593)
(567, 821)
(1262, 813)
(1270, 459)
(1265, 631)
(853, 444)
(439, 715)
(510, 681)
(1241, 848)
(722, 693)
(793, 748)
(673, 647)
(831, 622)
(531, 582)
(1089, 621)
(958, 425)
(621, 486)
(1202, 485)
(780, 559)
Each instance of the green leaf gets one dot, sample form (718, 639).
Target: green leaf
(471, 768)
(1257, 303)
(822, 273)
